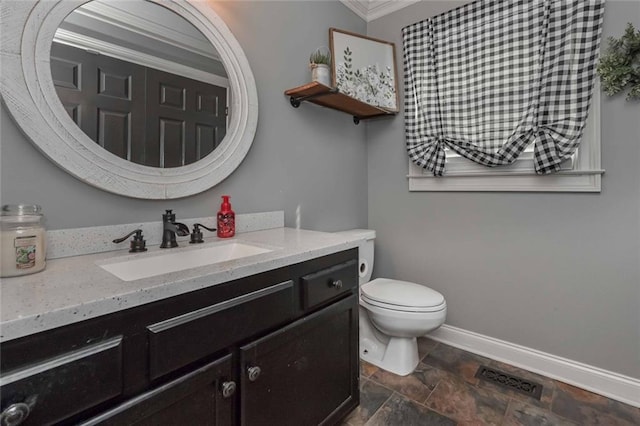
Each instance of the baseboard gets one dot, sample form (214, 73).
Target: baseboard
(607, 383)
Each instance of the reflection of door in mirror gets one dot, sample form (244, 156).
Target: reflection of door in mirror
(146, 114)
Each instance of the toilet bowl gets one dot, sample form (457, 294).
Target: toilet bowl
(393, 314)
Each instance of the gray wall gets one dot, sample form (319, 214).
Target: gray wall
(555, 272)
(311, 157)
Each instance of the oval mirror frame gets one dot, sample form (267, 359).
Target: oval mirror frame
(28, 93)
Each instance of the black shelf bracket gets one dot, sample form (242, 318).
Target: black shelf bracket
(295, 102)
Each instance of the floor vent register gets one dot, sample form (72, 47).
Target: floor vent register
(510, 381)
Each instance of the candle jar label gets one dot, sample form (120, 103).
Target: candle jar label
(25, 252)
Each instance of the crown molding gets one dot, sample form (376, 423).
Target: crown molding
(374, 9)
(102, 47)
(117, 15)
(359, 7)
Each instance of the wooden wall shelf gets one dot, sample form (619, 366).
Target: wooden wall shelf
(329, 97)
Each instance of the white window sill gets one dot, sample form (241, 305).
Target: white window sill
(563, 181)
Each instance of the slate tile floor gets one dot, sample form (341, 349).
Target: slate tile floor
(444, 391)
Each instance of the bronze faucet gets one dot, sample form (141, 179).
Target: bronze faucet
(171, 228)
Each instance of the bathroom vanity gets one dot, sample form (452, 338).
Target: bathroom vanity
(263, 340)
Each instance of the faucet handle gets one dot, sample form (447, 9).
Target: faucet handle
(168, 216)
(138, 244)
(196, 235)
(182, 230)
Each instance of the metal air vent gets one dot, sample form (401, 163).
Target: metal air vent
(509, 381)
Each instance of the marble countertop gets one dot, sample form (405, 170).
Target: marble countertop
(76, 288)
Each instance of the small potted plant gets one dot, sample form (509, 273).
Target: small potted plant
(319, 62)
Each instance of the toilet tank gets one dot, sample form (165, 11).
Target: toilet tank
(365, 251)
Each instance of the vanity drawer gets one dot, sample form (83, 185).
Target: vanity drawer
(179, 341)
(85, 377)
(328, 284)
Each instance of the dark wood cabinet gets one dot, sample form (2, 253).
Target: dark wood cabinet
(199, 397)
(279, 348)
(308, 370)
(57, 388)
(181, 340)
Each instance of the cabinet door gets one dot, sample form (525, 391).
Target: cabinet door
(304, 374)
(205, 396)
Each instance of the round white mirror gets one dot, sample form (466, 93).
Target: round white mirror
(172, 151)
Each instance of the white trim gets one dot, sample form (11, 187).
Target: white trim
(359, 7)
(374, 9)
(101, 47)
(28, 92)
(559, 182)
(607, 383)
(113, 14)
(378, 9)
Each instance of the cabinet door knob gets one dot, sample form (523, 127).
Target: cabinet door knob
(17, 413)
(337, 284)
(254, 373)
(228, 389)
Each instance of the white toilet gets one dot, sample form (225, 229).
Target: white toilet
(393, 313)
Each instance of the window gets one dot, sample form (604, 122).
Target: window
(582, 173)
(487, 81)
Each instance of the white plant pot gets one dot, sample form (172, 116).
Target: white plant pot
(321, 73)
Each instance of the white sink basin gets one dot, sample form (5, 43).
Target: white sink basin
(150, 266)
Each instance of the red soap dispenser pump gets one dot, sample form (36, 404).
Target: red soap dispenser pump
(226, 219)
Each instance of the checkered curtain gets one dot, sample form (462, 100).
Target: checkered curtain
(489, 78)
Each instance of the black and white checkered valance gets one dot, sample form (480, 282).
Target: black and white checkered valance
(489, 78)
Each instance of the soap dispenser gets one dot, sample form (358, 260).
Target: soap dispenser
(226, 219)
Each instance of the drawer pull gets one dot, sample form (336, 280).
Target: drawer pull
(228, 389)
(17, 413)
(337, 284)
(254, 373)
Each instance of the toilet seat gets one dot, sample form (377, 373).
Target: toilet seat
(401, 296)
(399, 308)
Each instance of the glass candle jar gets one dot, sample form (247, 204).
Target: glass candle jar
(22, 240)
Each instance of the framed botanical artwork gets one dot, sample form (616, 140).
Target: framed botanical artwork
(364, 68)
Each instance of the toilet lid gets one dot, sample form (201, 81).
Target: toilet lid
(401, 295)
